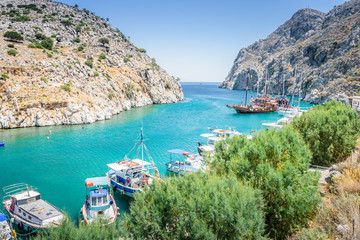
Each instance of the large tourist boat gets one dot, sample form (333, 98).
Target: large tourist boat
(262, 104)
(191, 163)
(99, 204)
(6, 232)
(29, 211)
(133, 175)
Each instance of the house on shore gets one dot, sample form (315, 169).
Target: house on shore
(355, 103)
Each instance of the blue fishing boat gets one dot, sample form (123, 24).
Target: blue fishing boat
(191, 163)
(99, 203)
(2, 144)
(133, 175)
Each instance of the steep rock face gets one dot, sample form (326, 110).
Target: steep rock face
(324, 49)
(79, 80)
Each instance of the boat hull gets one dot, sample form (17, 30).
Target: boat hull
(240, 109)
(113, 207)
(126, 190)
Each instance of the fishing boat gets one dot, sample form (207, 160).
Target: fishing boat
(6, 232)
(191, 163)
(278, 124)
(99, 204)
(208, 149)
(262, 104)
(231, 132)
(29, 211)
(131, 176)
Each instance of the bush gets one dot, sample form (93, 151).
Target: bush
(168, 85)
(96, 74)
(104, 41)
(13, 36)
(66, 87)
(31, 45)
(77, 40)
(40, 36)
(102, 56)
(49, 55)
(276, 162)
(12, 52)
(127, 59)
(81, 48)
(197, 206)
(21, 19)
(66, 22)
(37, 28)
(110, 95)
(4, 76)
(11, 45)
(47, 43)
(89, 63)
(330, 130)
(44, 79)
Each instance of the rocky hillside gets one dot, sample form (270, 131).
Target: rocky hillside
(62, 65)
(324, 49)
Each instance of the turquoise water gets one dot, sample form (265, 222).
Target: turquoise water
(58, 166)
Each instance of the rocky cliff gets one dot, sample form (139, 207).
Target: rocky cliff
(67, 66)
(324, 49)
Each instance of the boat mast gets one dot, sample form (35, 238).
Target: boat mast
(292, 102)
(258, 82)
(283, 91)
(300, 90)
(247, 86)
(266, 82)
(142, 147)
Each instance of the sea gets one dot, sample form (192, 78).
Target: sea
(57, 159)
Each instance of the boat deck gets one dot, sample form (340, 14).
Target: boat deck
(41, 209)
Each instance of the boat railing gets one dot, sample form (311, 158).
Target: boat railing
(16, 189)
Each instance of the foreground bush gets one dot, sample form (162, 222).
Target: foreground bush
(276, 162)
(70, 231)
(330, 130)
(197, 206)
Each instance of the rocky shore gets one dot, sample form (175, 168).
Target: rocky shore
(91, 71)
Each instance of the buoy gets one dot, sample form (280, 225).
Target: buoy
(50, 131)
(47, 137)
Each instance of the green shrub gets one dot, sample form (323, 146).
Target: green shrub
(44, 79)
(31, 45)
(104, 41)
(37, 28)
(110, 95)
(197, 206)
(12, 52)
(126, 59)
(40, 36)
(102, 56)
(96, 74)
(9, 5)
(89, 63)
(66, 22)
(129, 88)
(275, 162)
(13, 36)
(21, 19)
(11, 45)
(168, 85)
(38, 45)
(330, 130)
(69, 66)
(4, 76)
(53, 35)
(66, 87)
(49, 55)
(77, 40)
(81, 48)
(47, 43)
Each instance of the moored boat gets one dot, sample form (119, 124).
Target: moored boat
(131, 176)
(2, 144)
(191, 163)
(99, 204)
(6, 232)
(278, 124)
(29, 211)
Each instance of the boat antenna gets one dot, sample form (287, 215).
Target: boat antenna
(27, 188)
(283, 91)
(292, 96)
(247, 85)
(142, 146)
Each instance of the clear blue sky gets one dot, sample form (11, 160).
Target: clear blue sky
(198, 40)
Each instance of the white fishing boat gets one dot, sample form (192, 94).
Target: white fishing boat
(6, 232)
(99, 204)
(191, 163)
(278, 124)
(231, 132)
(131, 176)
(208, 149)
(29, 211)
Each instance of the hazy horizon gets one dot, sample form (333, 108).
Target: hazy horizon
(197, 40)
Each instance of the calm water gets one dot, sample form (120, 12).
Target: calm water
(58, 166)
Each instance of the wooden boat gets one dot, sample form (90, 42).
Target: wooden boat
(99, 203)
(6, 232)
(28, 210)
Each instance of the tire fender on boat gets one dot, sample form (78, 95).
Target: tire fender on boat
(20, 226)
(128, 181)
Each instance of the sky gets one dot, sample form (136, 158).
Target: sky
(197, 40)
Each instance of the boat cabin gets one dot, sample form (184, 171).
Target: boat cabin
(97, 193)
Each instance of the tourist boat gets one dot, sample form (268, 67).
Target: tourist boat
(262, 104)
(99, 204)
(6, 232)
(278, 124)
(29, 211)
(132, 176)
(191, 163)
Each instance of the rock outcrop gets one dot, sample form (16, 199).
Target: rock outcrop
(60, 73)
(324, 49)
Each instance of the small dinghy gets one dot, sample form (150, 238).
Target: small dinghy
(28, 210)
(2, 144)
(99, 203)
(5, 228)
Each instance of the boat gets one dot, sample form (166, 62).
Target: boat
(29, 211)
(99, 204)
(6, 232)
(2, 144)
(191, 163)
(131, 176)
(208, 149)
(231, 132)
(278, 124)
(262, 104)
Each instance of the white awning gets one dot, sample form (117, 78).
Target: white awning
(117, 167)
(206, 135)
(141, 162)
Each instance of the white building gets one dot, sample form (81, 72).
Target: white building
(355, 103)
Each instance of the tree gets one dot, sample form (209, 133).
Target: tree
(197, 206)
(47, 43)
(104, 41)
(275, 162)
(76, 6)
(330, 130)
(13, 36)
